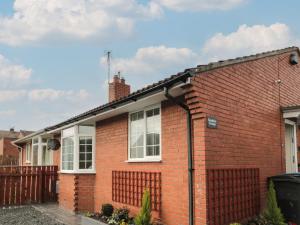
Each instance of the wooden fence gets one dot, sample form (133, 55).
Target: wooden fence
(233, 195)
(27, 184)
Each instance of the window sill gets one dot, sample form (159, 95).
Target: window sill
(144, 161)
(77, 172)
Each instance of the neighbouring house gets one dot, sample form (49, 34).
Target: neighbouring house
(9, 153)
(204, 141)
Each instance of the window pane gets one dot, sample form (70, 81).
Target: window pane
(85, 152)
(67, 153)
(81, 165)
(153, 132)
(68, 132)
(86, 129)
(35, 155)
(89, 156)
(89, 165)
(137, 129)
(82, 157)
(46, 156)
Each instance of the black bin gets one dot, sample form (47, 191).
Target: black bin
(287, 188)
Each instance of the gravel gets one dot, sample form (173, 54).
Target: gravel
(25, 216)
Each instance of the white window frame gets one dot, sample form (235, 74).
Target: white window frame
(76, 137)
(28, 153)
(145, 158)
(40, 145)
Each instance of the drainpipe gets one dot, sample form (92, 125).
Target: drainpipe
(190, 153)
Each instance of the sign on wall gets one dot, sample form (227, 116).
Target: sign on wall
(212, 122)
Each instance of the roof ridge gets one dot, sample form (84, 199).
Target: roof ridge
(241, 59)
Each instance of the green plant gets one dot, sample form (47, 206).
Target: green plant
(107, 210)
(89, 214)
(119, 216)
(235, 224)
(272, 213)
(144, 216)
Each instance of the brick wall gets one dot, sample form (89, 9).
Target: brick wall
(246, 102)
(66, 196)
(111, 154)
(9, 149)
(85, 192)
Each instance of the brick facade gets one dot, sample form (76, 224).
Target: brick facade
(245, 100)
(111, 154)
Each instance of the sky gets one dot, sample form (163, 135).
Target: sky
(52, 53)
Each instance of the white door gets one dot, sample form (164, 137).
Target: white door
(290, 147)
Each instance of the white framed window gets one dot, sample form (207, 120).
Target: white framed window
(28, 153)
(40, 154)
(35, 151)
(77, 154)
(144, 137)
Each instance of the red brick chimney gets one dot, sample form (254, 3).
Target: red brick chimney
(118, 88)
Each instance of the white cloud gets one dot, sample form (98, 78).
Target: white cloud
(248, 40)
(52, 95)
(33, 20)
(11, 95)
(154, 60)
(200, 5)
(12, 74)
(6, 113)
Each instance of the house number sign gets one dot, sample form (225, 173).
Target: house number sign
(212, 122)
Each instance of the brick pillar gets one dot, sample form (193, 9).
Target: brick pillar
(76, 192)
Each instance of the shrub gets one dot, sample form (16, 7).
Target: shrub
(119, 216)
(107, 210)
(272, 213)
(144, 216)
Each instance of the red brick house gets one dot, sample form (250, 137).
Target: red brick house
(204, 141)
(9, 153)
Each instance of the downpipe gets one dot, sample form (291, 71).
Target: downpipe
(190, 153)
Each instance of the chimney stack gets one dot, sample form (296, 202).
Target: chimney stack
(118, 88)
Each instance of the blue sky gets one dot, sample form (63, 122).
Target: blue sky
(51, 52)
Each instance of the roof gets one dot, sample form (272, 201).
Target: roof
(168, 82)
(14, 134)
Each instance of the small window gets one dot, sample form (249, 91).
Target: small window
(28, 153)
(144, 134)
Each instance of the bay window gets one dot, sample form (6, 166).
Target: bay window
(78, 149)
(145, 135)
